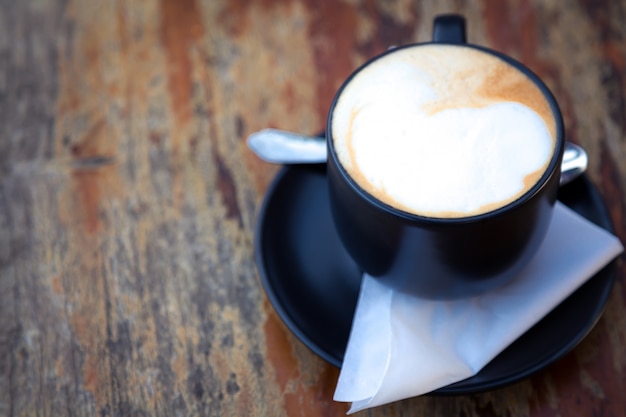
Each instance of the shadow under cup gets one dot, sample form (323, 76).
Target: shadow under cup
(443, 258)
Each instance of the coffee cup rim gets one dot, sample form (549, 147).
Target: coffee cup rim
(552, 169)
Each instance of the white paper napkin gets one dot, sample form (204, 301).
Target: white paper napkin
(402, 346)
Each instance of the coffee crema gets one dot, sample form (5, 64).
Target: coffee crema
(443, 131)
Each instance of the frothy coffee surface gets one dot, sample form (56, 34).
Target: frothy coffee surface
(443, 131)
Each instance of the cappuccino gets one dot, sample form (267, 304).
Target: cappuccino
(443, 131)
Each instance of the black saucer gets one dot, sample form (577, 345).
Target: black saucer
(313, 284)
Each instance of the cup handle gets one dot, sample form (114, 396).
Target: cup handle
(449, 28)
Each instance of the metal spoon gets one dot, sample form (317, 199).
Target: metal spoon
(281, 147)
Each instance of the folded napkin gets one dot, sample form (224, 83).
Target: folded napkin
(402, 346)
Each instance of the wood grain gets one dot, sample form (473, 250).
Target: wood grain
(128, 199)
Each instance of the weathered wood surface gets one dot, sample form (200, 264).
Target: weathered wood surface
(128, 198)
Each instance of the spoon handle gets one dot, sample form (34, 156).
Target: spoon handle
(282, 147)
(574, 162)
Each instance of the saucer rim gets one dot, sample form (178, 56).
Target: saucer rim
(460, 387)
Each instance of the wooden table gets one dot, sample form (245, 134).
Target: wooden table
(128, 198)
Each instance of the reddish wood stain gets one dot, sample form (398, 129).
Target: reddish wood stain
(234, 17)
(56, 283)
(502, 29)
(93, 143)
(87, 189)
(613, 186)
(299, 399)
(332, 29)
(91, 379)
(180, 30)
(615, 53)
(86, 327)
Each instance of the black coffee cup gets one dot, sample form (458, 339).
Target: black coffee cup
(443, 258)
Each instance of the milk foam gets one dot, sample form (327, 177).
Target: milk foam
(431, 141)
